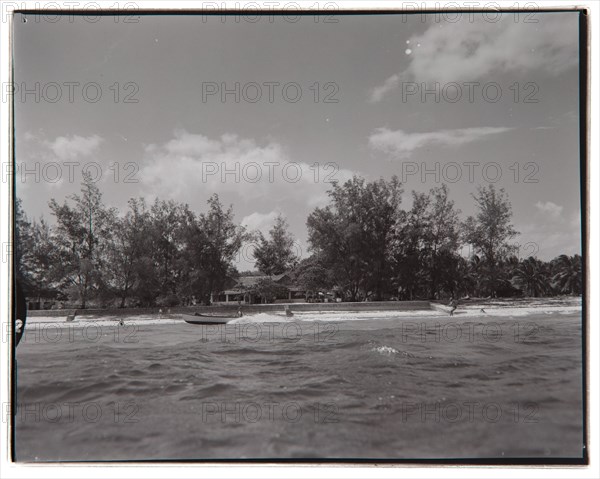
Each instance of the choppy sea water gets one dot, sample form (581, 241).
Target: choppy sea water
(390, 386)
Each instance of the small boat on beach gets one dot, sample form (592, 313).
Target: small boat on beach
(198, 318)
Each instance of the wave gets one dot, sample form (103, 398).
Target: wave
(386, 350)
(263, 318)
(390, 351)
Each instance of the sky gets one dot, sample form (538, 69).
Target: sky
(267, 111)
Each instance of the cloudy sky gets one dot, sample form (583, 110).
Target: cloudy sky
(266, 111)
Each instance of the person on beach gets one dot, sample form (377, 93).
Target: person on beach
(239, 313)
(288, 311)
(453, 306)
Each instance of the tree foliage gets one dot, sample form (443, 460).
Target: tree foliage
(351, 236)
(363, 246)
(276, 255)
(80, 238)
(490, 232)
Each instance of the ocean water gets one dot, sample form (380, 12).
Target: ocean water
(417, 385)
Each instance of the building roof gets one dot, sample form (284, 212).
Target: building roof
(249, 281)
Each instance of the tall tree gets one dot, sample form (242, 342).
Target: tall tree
(445, 235)
(34, 256)
(439, 226)
(80, 237)
(408, 249)
(353, 233)
(490, 231)
(276, 255)
(169, 236)
(128, 253)
(222, 240)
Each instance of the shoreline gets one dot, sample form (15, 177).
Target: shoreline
(343, 306)
(468, 310)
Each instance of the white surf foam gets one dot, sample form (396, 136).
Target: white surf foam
(385, 350)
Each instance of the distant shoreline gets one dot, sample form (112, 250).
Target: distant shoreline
(343, 306)
(252, 308)
(466, 308)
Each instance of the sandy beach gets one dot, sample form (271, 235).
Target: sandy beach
(404, 385)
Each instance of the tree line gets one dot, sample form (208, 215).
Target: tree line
(366, 245)
(362, 246)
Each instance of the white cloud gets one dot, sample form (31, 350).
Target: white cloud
(472, 49)
(402, 143)
(551, 209)
(43, 162)
(260, 221)
(192, 166)
(75, 146)
(389, 85)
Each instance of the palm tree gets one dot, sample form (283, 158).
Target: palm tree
(505, 272)
(567, 276)
(463, 280)
(475, 274)
(531, 276)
